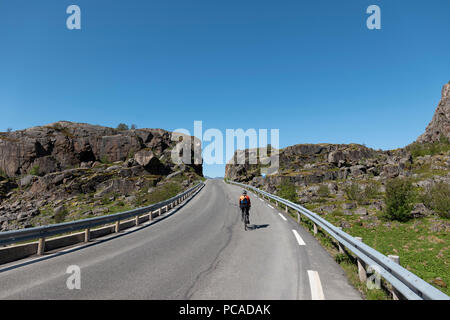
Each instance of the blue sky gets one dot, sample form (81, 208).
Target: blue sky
(309, 68)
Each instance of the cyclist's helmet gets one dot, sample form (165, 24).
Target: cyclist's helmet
(244, 192)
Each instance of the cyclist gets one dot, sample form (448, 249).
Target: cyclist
(245, 204)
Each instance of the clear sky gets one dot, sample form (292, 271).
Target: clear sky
(309, 68)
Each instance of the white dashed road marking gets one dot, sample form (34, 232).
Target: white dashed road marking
(299, 239)
(270, 206)
(316, 286)
(282, 217)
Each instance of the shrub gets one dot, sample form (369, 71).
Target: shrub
(399, 199)
(287, 191)
(431, 148)
(371, 191)
(354, 192)
(122, 127)
(342, 258)
(437, 198)
(35, 170)
(104, 159)
(323, 191)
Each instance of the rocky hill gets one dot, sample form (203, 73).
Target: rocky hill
(324, 175)
(352, 185)
(309, 164)
(65, 171)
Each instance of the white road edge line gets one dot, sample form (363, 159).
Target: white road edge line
(282, 217)
(299, 239)
(316, 286)
(270, 206)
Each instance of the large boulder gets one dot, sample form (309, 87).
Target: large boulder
(145, 157)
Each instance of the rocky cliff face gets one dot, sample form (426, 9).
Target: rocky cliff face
(63, 145)
(440, 124)
(43, 169)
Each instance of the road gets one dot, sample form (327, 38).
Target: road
(199, 251)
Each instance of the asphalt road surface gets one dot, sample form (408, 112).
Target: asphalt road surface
(199, 250)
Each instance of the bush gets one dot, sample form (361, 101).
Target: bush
(122, 127)
(323, 191)
(287, 191)
(35, 170)
(104, 159)
(399, 199)
(354, 192)
(422, 149)
(342, 258)
(371, 191)
(437, 198)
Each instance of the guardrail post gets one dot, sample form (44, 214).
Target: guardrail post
(341, 249)
(41, 246)
(117, 228)
(315, 229)
(287, 209)
(361, 266)
(298, 217)
(395, 294)
(137, 220)
(87, 235)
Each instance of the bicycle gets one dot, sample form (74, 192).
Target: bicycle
(246, 218)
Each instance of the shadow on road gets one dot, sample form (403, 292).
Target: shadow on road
(257, 226)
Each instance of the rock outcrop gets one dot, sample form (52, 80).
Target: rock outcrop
(306, 164)
(440, 124)
(42, 168)
(62, 145)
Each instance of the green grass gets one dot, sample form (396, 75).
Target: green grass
(423, 149)
(421, 251)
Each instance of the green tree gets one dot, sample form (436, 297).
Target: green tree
(399, 199)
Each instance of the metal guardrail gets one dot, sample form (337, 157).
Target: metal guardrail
(405, 282)
(9, 237)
